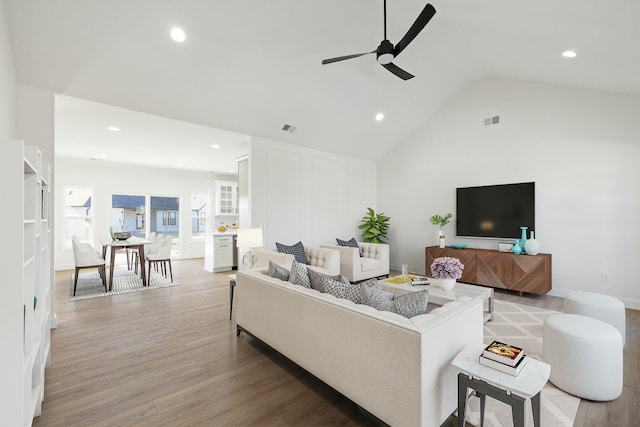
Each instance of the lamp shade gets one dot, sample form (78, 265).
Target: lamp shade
(249, 238)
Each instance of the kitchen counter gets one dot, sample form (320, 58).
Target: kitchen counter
(217, 233)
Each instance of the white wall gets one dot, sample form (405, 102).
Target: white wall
(106, 179)
(580, 147)
(7, 81)
(11, 390)
(306, 195)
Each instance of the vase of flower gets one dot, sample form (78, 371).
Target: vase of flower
(446, 270)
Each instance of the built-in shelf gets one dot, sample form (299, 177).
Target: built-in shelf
(28, 280)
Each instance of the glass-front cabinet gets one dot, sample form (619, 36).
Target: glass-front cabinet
(226, 198)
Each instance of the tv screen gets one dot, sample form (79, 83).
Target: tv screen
(495, 210)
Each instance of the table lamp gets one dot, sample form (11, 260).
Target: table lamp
(249, 238)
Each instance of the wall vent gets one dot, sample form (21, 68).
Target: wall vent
(492, 120)
(289, 128)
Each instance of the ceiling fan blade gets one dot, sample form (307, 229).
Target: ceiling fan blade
(421, 21)
(398, 71)
(342, 58)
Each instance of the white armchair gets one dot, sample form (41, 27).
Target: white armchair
(323, 260)
(374, 261)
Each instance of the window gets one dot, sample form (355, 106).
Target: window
(199, 213)
(127, 214)
(169, 218)
(78, 215)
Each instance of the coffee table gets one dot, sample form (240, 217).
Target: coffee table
(441, 297)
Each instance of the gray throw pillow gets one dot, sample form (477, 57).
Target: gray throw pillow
(299, 274)
(352, 243)
(296, 250)
(350, 292)
(316, 279)
(377, 298)
(277, 271)
(411, 304)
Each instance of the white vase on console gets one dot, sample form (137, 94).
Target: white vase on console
(441, 238)
(532, 246)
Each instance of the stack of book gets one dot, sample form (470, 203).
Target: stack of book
(417, 280)
(503, 357)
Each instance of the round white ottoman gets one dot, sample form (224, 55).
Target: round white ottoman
(598, 306)
(585, 355)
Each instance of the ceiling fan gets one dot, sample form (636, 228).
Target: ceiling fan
(387, 52)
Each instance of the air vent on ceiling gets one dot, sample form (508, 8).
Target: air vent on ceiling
(289, 128)
(492, 120)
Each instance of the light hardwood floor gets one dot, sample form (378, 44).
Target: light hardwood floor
(170, 357)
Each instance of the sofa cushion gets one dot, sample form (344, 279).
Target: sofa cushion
(299, 275)
(277, 271)
(350, 292)
(296, 250)
(316, 279)
(411, 304)
(351, 243)
(370, 264)
(377, 298)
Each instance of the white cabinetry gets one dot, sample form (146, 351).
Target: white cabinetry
(25, 302)
(226, 198)
(218, 254)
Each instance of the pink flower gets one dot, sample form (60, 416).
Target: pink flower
(446, 268)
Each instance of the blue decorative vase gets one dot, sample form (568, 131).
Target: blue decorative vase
(516, 247)
(523, 239)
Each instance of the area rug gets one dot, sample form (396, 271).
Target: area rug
(521, 325)
(124, 281)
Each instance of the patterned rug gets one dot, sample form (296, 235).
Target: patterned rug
(521, 326)
(124, 281)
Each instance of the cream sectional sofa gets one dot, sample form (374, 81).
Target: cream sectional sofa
(397, 369)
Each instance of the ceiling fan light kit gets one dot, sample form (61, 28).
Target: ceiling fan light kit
(386, 51)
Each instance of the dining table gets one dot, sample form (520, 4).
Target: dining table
(131, 243)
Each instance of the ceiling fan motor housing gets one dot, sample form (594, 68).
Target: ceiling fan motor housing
(384, 53)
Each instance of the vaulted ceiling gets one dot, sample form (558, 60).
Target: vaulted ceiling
(252, 66)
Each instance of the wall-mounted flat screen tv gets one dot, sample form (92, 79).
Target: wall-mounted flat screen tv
(496, 211)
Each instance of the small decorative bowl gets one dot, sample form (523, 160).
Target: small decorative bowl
(122, 235)
(458, 245)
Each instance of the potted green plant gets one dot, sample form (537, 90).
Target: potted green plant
(375, 227)
(441, 221)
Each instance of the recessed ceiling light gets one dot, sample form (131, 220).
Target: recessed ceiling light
(113, 129)
(569, 54)
(179, 165)
(215, 146)
(379, 116)
(103, 155)
(231, 170)
(178, 35)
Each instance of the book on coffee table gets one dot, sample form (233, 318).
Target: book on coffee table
(419, 281)
(511, 370)
(503, 353)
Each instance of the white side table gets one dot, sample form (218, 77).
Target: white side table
(506, 388)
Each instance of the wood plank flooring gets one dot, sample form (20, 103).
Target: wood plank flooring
(170, 357)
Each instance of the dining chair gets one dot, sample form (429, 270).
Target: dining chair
(86, 257)
(160, 258)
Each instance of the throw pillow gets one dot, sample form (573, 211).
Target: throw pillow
(299, 275)
(352, 243)
(277, 271)
(377, 298)
(350, 292)
(296, 250)
(316, 279)
(411, 304)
